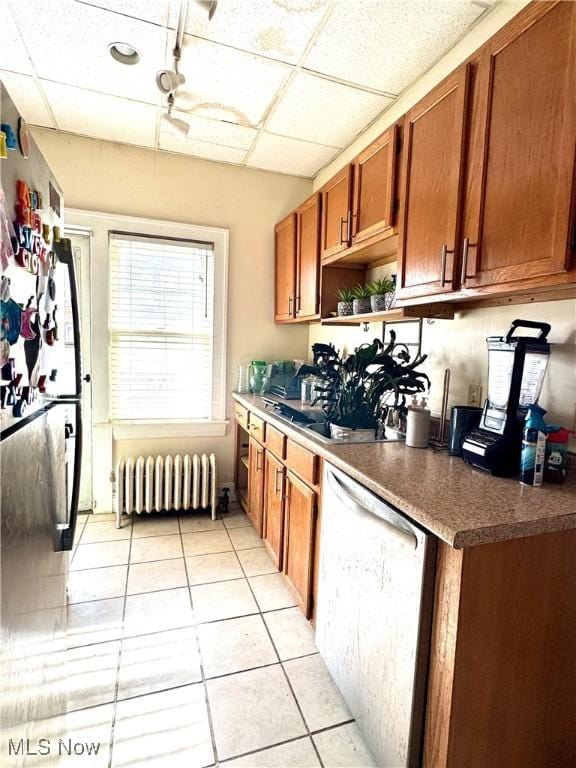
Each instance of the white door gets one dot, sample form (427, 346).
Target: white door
(81, 251)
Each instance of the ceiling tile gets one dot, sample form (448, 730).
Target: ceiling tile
(155, 11)
(319, 110)
(389, 44)
(13, 55)
(278, 153)
(218, 131)
(28, 98)
(176, 143)
(68, 42)
(227, 84)
(101, 116)
(280, 29)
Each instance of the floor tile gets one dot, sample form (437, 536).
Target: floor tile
(294, 754)
(95, 622)
(91, 673)
(222, 600)
(206, 543)
(252, 710)
(320, 700)
(195, 522)
(81, 522)
(151, 524)
(203, 569)
(344, 747)
(157, 611)
(235, 645)
(103, 517)
(292, 635)
(97, 532)
(273, 591)
(97, 583)
(163, 730)
(150, 663)
(101, 555)
(150, 577)
(245, 538)
(237, 519)
(92, 726)
(155, 548)
(256, 562)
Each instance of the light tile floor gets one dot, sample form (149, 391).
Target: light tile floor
(186, 648)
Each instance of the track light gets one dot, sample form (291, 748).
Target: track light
(168, 80)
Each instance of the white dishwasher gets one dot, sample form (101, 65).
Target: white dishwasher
(374, 610)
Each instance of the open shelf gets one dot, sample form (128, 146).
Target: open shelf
(374, 251)
(244, 461)
(396, 315)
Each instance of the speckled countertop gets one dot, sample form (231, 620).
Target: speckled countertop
(461, 505)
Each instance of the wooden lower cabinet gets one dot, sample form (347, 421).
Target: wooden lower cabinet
(299, 539)
(274, 487)
(255, 484)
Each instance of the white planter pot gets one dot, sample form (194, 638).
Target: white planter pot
(344, 433)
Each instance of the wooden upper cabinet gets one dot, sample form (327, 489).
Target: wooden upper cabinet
(274, 485)
(337, 213)
(522, 150)
(299, 537)
(432, 173)
(255, 484)
(285, 268)
(308, 258)
(374, 202)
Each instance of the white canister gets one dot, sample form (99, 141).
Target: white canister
(418, 425)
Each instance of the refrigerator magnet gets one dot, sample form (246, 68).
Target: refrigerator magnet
(23, 137)
(10, 135)
(3, 146)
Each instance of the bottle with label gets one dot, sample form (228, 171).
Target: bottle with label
(533, 447)
(556, 455)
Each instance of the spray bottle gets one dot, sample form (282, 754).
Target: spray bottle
(533, 447)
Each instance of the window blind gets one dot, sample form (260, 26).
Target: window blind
(161, 328)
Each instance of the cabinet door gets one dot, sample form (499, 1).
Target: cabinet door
(308, 257)
(337, 213)
(274, 479)
(285, 268)
(374, 187)
(433, 146)
(299, 526)
(255, 484)
(522, 152)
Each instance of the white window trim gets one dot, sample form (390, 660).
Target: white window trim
(99, 225)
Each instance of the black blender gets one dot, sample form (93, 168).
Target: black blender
(517, 365)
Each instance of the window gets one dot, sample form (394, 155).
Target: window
(166, 359)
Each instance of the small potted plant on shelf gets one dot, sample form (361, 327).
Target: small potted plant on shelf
(361, 303)
(357, 392)
(380, 291)
(345, 302)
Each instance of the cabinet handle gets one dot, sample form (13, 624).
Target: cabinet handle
(290, 300)
(465, 248)
(349, 226)
(342, 222)
(443, 278)
(259, 455)
(297, 304)
(278, 474)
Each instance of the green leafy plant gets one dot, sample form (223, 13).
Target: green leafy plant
(361, 292)
(357, 392)
(344, 294)
(380, 287)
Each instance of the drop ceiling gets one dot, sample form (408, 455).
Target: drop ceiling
(282, 85)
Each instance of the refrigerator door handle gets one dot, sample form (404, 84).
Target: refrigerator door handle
(66, 531)
(65, 256)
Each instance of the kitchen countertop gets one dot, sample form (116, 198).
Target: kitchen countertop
(461, 505)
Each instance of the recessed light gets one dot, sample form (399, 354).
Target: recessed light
(124, 53)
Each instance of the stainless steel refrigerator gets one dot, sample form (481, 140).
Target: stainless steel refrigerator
(41, 434)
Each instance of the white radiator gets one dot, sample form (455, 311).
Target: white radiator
(165, 484)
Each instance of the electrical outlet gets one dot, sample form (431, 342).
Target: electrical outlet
(475, 394)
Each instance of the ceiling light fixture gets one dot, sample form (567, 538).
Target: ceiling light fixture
(168, 80)
(208, 5)
(124, 53)
(180, 126)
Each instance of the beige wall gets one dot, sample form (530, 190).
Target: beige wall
(101, 176)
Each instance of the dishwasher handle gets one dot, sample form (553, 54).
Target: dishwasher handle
(398, 526)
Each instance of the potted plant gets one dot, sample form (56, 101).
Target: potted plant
(379, 292)
(357, 392)
(361, 303)
(345, 302)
